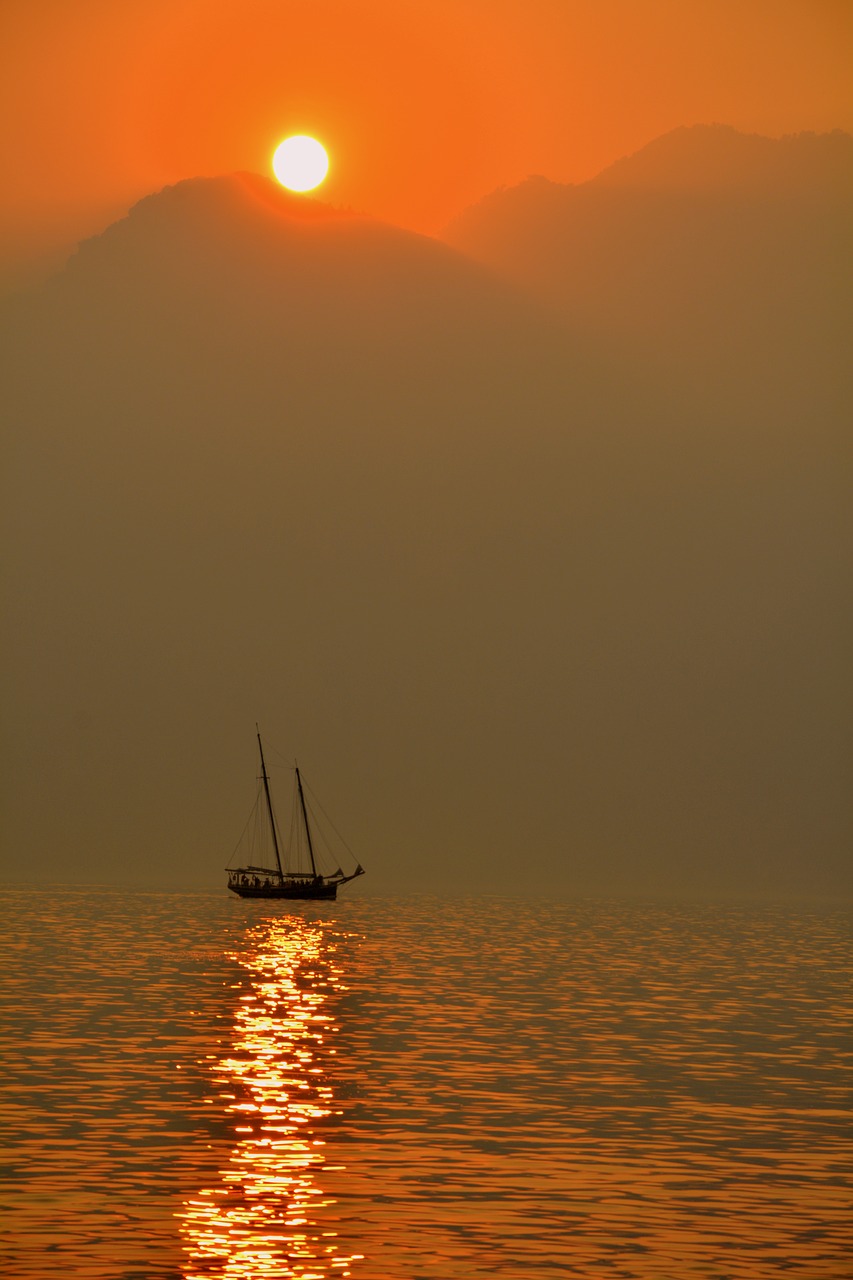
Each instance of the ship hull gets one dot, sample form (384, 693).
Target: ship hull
(310, 892)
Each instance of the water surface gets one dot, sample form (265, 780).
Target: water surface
(418, 1089)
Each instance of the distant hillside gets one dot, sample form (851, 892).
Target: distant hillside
(707, 250)
(240, 249)
(719, 158)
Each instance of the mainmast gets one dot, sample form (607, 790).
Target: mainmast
(305, 820)
(269, 807)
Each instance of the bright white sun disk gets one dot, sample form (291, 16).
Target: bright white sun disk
(300, 163)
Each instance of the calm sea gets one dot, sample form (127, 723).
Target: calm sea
(418, 1089)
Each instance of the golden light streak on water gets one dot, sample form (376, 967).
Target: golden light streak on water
(265, 1217)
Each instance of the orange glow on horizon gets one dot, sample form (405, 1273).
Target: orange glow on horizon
(429, 106)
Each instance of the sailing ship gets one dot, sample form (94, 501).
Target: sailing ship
(298, 875)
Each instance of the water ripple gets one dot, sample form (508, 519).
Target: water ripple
(422, 1090)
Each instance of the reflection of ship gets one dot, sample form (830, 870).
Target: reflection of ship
(301, 876)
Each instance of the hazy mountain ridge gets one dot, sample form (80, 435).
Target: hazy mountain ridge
(247, 224)
(285, 279)
(718, 158)
(515, 601)
(705, 246)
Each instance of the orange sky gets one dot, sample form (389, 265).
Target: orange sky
(425, 105)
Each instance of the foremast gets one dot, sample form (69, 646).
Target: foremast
(269, 807)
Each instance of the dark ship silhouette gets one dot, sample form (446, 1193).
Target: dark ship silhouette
(298, 877)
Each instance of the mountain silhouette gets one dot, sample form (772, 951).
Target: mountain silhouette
(708, 254)
(717, 158)
(539, 621)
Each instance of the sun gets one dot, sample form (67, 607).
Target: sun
(300, 163)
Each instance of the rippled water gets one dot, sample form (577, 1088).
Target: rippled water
(416, 1089)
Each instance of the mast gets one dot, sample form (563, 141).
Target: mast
(305, 820)
(269, 806)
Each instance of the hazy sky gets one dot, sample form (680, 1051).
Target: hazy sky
(425, 105)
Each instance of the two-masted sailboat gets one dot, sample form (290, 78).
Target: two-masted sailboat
(293, 871)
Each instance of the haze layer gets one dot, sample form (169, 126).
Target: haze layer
(543, 577)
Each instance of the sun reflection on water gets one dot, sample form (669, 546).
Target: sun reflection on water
(266, 1217)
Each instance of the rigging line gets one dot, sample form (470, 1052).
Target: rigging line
(283, 761)
(316, 800)
(248, 821)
